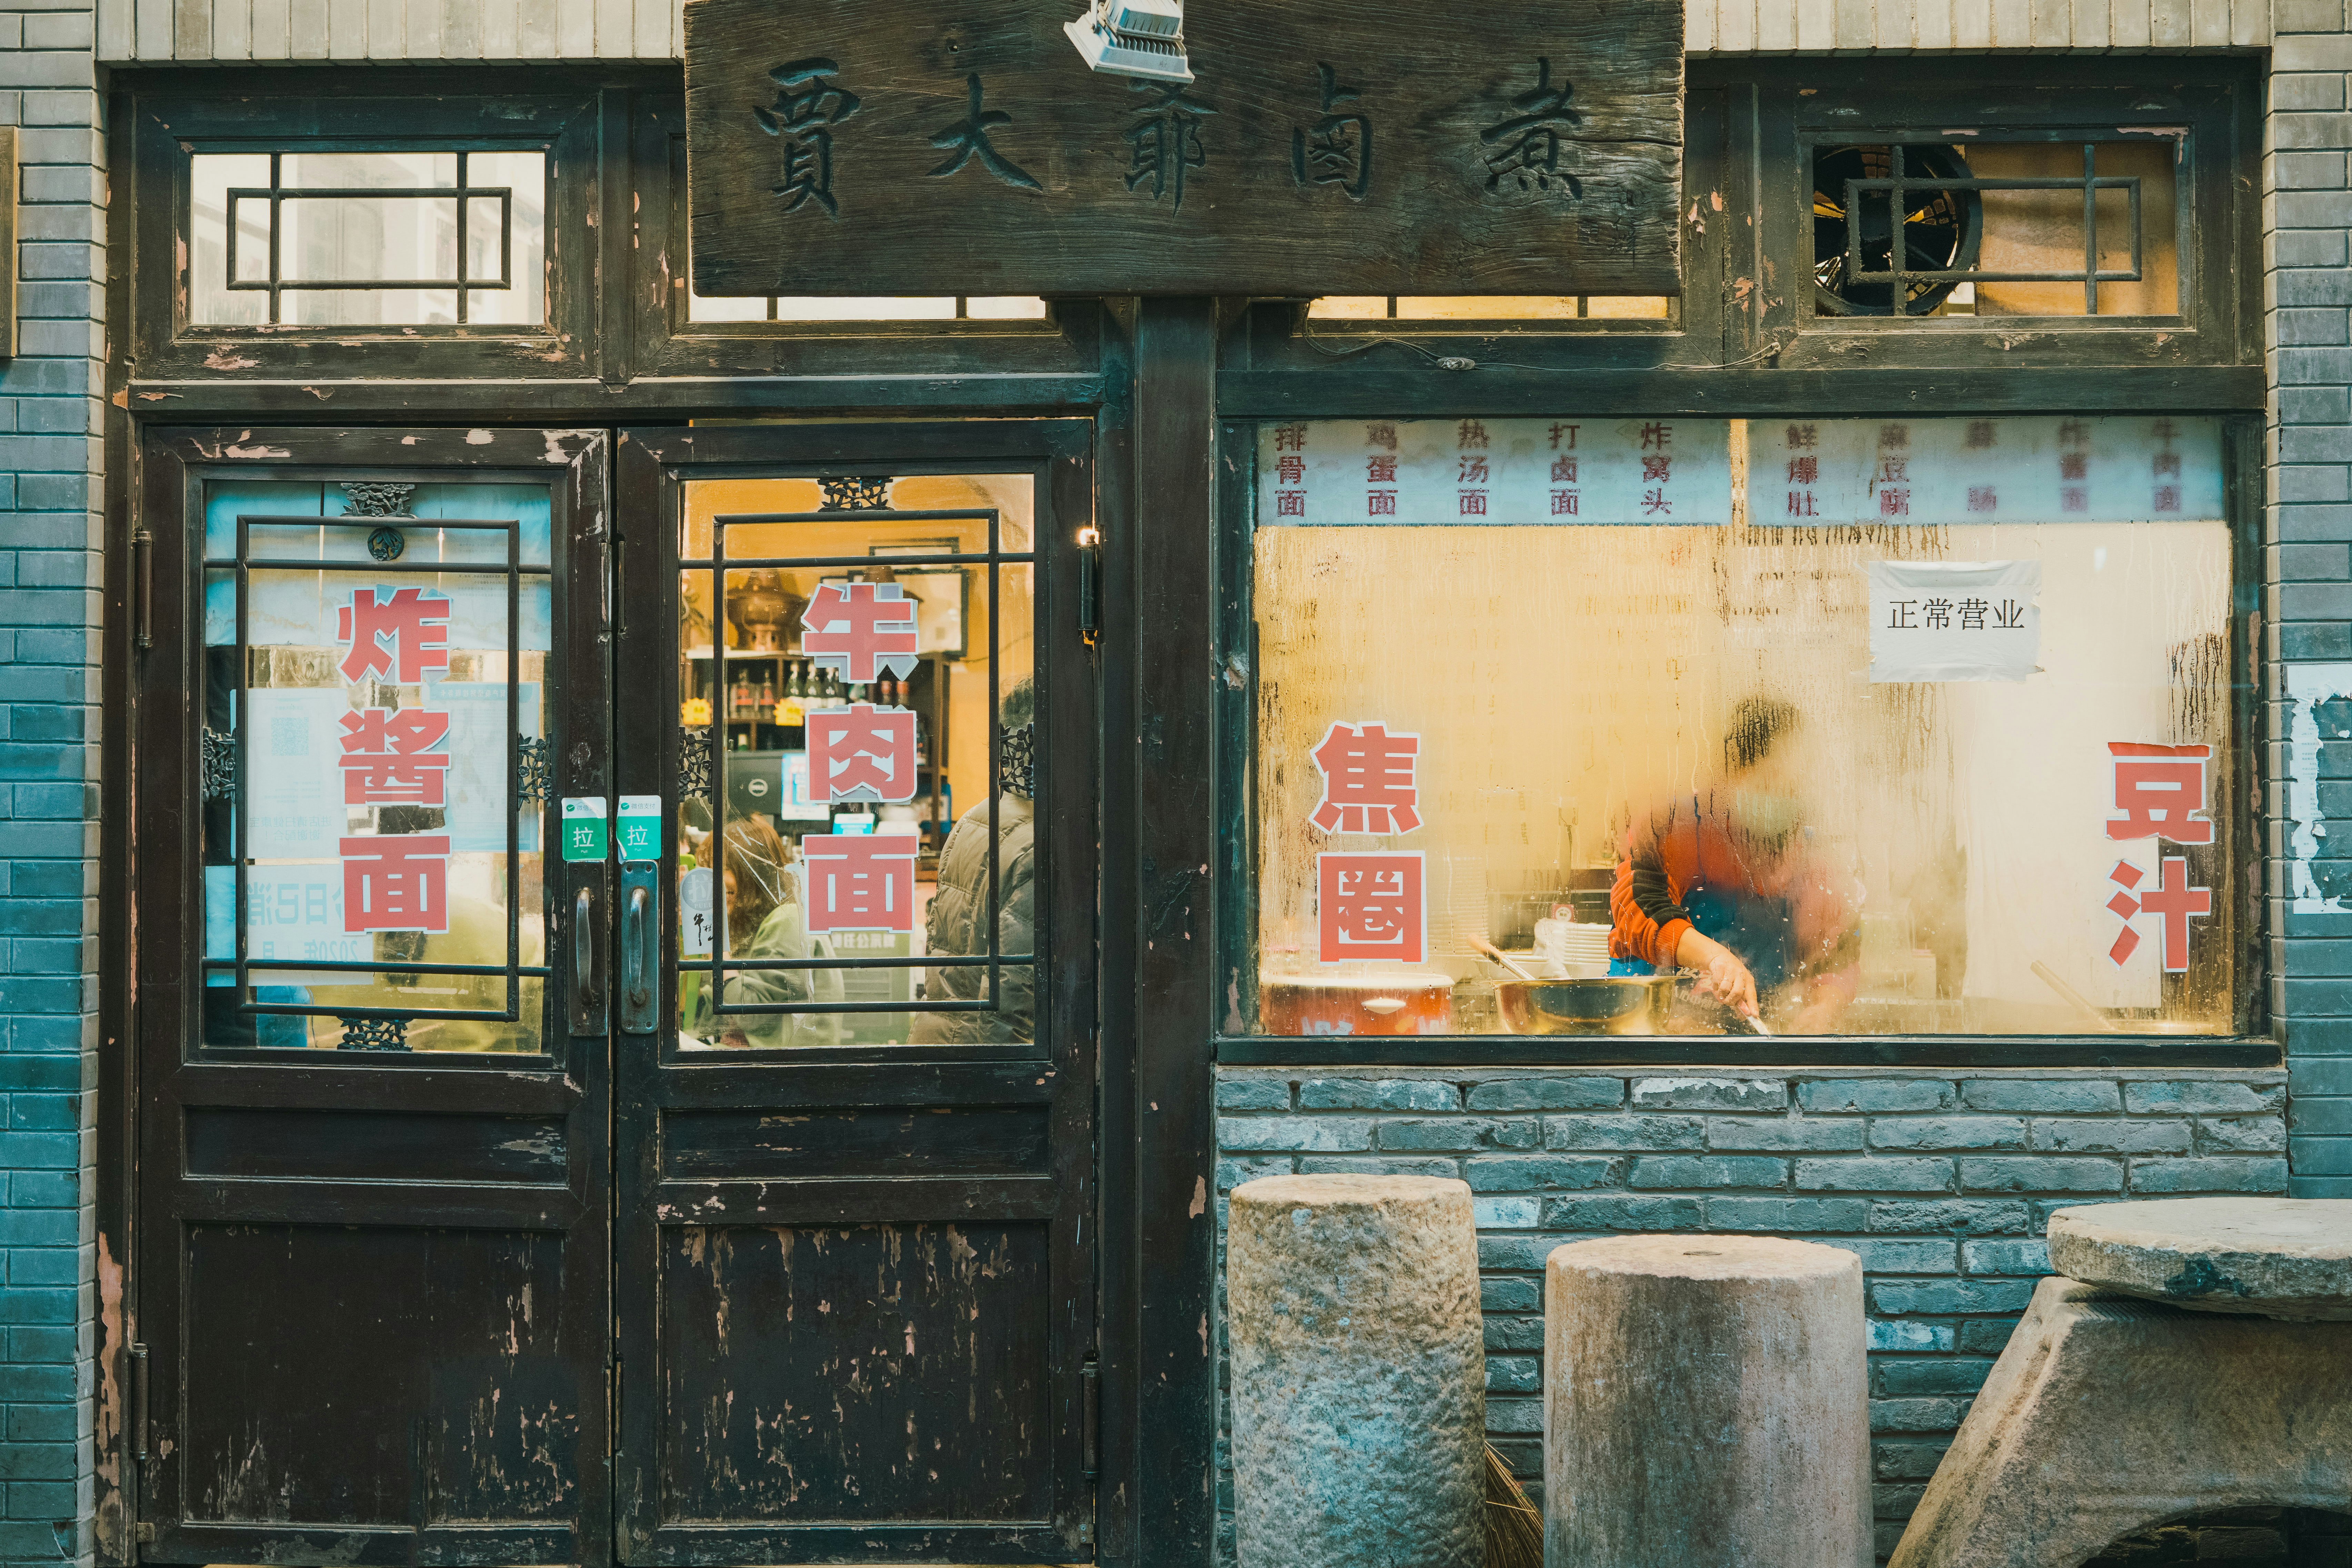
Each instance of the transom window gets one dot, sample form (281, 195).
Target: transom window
(369, 238)
(702, 309)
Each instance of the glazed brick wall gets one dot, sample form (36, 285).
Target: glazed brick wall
(2307, 311)
(1943, 1182)
(49, 538)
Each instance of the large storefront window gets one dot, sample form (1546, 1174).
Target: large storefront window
(1919, 727)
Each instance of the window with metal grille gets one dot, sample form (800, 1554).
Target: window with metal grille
(331, 237)
(2056, 226)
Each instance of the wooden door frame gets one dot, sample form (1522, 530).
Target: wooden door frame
(156, 844)
(653, 465)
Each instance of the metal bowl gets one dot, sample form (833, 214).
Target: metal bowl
(1614, 1004)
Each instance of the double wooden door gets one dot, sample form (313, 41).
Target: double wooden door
(615, 981)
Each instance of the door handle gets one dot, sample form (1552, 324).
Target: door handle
(584, 955)
(640, 947)
(588, 1006)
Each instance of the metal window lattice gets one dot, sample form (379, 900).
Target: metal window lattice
(227, 767)
(1895, 185)
(277, 194)
(709, 769)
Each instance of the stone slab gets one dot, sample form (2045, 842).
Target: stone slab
(2276, 1258)
(2109, 1415)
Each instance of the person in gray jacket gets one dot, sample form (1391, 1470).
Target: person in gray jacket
(957, 921)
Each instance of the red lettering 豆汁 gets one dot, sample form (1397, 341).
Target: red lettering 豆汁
(1371, 905)
(862, 752)
(1368, 783)
(389, 757)
(860, 631)
(2160, 790)
(400, 632)
(397, 881)
(860, 881)
(2172, 900)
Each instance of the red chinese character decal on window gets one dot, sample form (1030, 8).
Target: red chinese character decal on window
(389, 757)
(1290, 503)
(860, 881)
(1474, 503)
(1379, 470)
(2172, 900)
(1894, 503)
(1290, 470)
(860, 631)
(1380, 503)
(1290, 438)
(2160, 790)
(1563, 503)
(396, 882)
(862, 752)
(1381, 433)
(2167, 498)
(1804, 470)
(1563, 470)
(400, 632)
(1368, 781)
(1981, 498)
(1371, 906)
(1563, 437)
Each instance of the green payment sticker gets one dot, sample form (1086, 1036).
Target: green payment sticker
(641, 817)
(583, 828)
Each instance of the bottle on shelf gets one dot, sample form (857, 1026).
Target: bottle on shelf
(791, 698)
(739, 697)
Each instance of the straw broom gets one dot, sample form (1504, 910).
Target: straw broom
(1514, 1528)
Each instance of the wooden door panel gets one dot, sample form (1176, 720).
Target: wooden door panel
(870, 1373)
(856, 1266)
(364, 1375)
(372, 1272)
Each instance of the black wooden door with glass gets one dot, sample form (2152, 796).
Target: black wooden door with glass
(412, 1284)
(853, 1224)
(373, 1257)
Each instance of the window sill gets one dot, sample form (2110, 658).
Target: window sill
(1785, 1053)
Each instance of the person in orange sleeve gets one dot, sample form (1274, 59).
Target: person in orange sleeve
(1721, 881)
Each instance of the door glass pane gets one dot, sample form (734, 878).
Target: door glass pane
(859, 795)
(374, 756)
(357, 238)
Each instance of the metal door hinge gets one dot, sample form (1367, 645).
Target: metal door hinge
(1089, 1404)
(1090, 585)
(138, 1403)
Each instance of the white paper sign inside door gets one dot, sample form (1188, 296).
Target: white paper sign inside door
(1954, 620)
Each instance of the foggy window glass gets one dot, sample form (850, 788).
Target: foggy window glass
(1899, 727)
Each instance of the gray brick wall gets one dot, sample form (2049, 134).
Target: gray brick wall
(49, 536)
(1943, 1182)
(2307, 288)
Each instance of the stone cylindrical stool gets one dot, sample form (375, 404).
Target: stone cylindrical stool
(1706, 1401)
(1359, 1373)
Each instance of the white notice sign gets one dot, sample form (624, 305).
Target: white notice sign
(1954, 620)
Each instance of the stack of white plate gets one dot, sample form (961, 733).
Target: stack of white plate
(1582, 951)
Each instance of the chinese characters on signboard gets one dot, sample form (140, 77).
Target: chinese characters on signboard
(2040, 470)
(1953, 620)
(875, 147)
(1515, 471)
(864, 632)
(1371, 903)
(394, 881)
(2160, 791)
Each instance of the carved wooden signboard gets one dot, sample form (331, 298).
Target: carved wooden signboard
(875, 147)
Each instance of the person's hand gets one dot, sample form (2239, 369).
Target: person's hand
(1721, 974)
